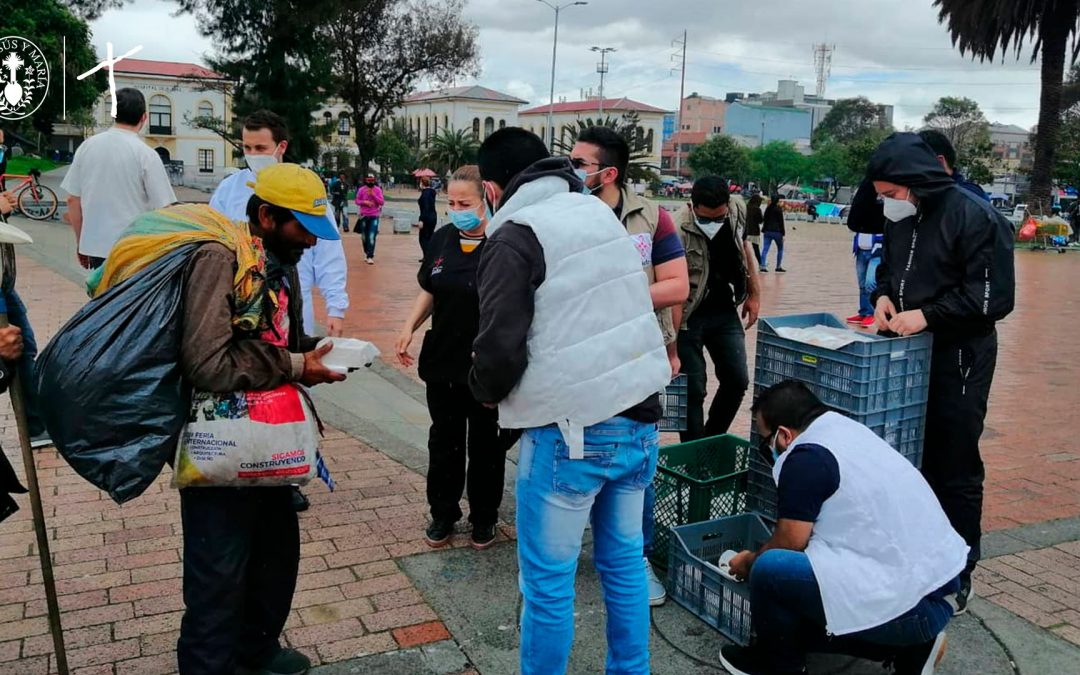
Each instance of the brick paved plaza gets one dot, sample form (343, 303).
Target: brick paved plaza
(118, 568)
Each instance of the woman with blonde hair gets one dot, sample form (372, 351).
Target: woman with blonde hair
(460, 426)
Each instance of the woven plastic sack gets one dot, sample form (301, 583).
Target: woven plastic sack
(254, 438)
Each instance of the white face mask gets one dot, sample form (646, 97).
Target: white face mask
(259, 162)
(710, 229)
(899, 209)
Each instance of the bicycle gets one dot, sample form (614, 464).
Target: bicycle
(34, 200)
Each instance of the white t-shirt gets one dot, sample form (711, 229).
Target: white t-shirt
(866, 242)
(116, 176)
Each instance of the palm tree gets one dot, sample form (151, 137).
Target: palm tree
(629, 127)
(982, 28)
(451, 149)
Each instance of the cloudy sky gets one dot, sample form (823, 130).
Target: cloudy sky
(892, 51)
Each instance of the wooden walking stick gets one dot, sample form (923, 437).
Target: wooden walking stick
(10, 235)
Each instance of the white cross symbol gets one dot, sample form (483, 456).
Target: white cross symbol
(109, 62)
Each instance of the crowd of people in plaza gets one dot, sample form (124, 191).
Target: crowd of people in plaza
(559, 304)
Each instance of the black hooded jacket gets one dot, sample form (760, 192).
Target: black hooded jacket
(954, 258)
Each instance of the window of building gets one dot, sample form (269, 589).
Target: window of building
(343, 124)
(160, 115)
(106, 112)
(427, 128)
(205, 109)
(476, 128)
(489, 126)
(445, 121)
(502, 124)
(206, 161)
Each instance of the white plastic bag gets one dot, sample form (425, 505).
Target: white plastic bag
(348, 354)
(823, 336)
(248, 439)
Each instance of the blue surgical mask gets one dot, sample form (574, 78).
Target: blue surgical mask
(583, 175)
(772, 447)
(466, 221)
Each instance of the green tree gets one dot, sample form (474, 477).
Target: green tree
(394, 150)
(850, 119)
(45, 23)
(776, 163)
(966, 127)
(451, 149)
(271, 52)
(720, 156)
(982, 28)
(629, 127)
(383, 48)
(831, 162)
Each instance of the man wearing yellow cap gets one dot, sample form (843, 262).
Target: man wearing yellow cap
(242, 545)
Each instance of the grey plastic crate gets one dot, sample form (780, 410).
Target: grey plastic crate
(674, 401)
(699, 587)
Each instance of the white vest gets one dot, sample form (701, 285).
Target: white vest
(594, 347)
(881, 542)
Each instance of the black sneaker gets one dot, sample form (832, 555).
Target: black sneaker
(439, 532)
(285, 662)
(763, 269)
(483, 536)
(963, 596)
(300, 503)
(781, 270)
(746, 661)
(41, 440)
(921, 659)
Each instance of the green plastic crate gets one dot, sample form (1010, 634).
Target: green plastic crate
(697, 481)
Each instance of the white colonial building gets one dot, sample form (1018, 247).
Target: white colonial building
(476, 109)
(650, 120)
(176, 93)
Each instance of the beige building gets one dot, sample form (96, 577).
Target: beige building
(650, 120)
(176, 93)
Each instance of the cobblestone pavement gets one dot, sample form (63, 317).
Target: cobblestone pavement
(118, 568)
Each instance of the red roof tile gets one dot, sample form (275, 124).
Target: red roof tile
(621, 104)
(165, 68)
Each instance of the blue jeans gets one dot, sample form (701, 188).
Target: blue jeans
(771, 237)
(369, 227)
(789, 620)
(17, 316)
(556, 496)
(866, 264)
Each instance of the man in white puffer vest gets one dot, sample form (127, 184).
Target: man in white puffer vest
(863, 560)
(570, 350)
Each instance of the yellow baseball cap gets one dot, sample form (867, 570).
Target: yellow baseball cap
(300, 190)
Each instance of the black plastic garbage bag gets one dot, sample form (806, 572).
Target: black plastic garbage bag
(113, 394)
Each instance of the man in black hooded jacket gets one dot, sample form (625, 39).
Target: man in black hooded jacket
(947, 268)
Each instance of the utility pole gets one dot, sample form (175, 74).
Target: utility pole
(823, 65)
(678, 118)
(554, 50)
(602, 68)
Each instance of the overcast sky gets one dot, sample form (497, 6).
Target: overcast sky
(892, 51)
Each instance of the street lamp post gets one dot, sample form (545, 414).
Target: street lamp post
(554, 50)
(602, 68)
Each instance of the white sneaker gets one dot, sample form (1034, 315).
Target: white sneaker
(657, 594)
(371, 261)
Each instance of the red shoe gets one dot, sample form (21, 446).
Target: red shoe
(868, 322)
(858, 318)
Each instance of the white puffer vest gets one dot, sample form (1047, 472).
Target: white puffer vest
(881, 542)
(595, 348)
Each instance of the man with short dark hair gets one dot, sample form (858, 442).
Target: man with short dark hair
(601, 157)
(946, 155)
(113, 178)
(723, 275)
(862, 561)
(570, 350)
